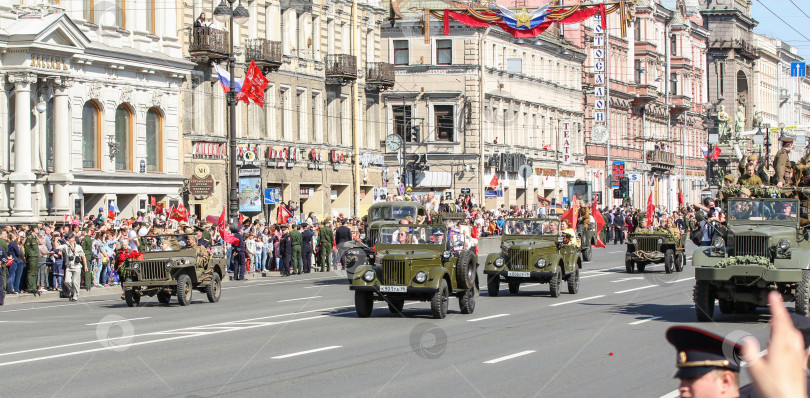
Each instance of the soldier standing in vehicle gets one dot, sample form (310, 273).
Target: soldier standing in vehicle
(781, 162)
(750, 177)
(306, 248)
(326, 241)
(296, 240)
(31, 250)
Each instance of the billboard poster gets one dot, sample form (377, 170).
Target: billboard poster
(250, 190)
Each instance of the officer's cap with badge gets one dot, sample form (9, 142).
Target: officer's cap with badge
(700, 352)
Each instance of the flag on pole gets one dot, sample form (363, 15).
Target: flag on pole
(283, 215)
(680, 197)
(222, 227)
(705, 151)
(571, 213)
(254, 85)
(650, 209)
(600, 222)
(179, 214)
(112, 211)
(225, 80)
(543, 200)
(716, 152)
(494, 181)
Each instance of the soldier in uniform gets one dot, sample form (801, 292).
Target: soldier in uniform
(306, 249)
(707, 363)
(781, 162)
(326, 241)
(750, 177)
(286, 250)
(87, 246)
(238, 256)
(672, 229)
(31, 251)
(297, 241)
(201, 251)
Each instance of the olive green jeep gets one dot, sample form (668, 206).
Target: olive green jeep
(534, 250)
(655, 246)
(587, 238)
(419, 263)
(171, 270)
(761, 248)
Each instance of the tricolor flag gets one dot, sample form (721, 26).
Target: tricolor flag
(543, 200)
(225, 80)
(112, 211)
(705, 151)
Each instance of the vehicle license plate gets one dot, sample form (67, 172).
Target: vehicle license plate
(518, 274)
(394, 289)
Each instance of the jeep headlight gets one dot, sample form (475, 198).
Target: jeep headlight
(784, 245)
(362, 236)
(659, 241)
(499, 262)
(136, 266)
(718, 243)
(368, 276)
(421, 277)
(634, 241)
(169, 264)
(446, 255)
(541, 263)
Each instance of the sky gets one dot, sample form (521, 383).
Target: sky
(793, 13)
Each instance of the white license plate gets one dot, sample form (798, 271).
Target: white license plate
(518, 274)
(394, 289)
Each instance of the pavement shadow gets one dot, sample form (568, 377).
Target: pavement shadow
(385, 313)
(677, 313)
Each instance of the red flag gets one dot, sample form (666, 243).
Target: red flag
(715, 153)
(494, 182)
(180, 213)
(158, 209)
(571, 213)
(169, 211)
(680, 197)
(603, 15)
(152, 201)
(600, 223)
(253, 86)
(650, 209)
(283, 215)
(222, 227)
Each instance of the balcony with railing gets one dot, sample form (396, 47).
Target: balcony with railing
(681, 103)
(661, 159)
(206, 43)
(379, 76)
(266, 53)
(341, 68)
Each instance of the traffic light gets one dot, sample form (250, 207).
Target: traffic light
(624, 187)
(414, 134)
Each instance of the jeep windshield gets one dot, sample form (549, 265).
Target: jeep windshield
(531, 227)
(412, 235)
(768, 210)
(391, 213)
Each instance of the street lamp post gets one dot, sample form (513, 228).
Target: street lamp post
(239, 15)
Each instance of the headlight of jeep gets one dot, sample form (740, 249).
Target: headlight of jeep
(362, 236)
(446, 255)
(718, 243)
(421, 277)
(634, 241)
(541, 263)
(499, 262)
(659, 241)
(136, 266)
(368, 276)
(784, 245)
(169, 264)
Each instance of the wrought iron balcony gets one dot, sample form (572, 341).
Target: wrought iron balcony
(379, 76)
(341, 68)
(266, 53)
(661, 159)
(206, 43)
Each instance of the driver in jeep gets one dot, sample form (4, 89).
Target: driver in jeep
(784, 211)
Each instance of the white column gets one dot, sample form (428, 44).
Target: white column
(61, 177)
(22, 177)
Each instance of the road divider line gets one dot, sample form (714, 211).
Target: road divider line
(578, 300)
(633, 290)
(681, 280)
(595, 275)
(296, 299)
(120, 320)
(295, 354)
(59, 305)
(635, 278)
(644, 320)
(487, 317)
(508, 357)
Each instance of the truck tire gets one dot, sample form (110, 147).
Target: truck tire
(467, 301)
(493, 285)
(514, 287)
(802, 305)
(130, 296)
(556, 283)
(465, 270)
(363, 304)
(641, 267)
(669, 259)
(726, 306)
(184, 290)
(573, 282)
(438, 304)
(164, 297)
(587, 254)
(704, 301)
(680, 262)
(396, 305)
(214, 290)
(628, 266)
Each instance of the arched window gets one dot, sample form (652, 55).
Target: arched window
(123, 137)
(91, 131)
(154, 141)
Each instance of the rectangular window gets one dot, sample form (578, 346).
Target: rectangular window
(283, 104)
(402, 121)
(401, 55)
(637, 67)
(722, 76)
(317, 130)
(638, 30)
(673, 81)
(444, 52)
(371, 123)
(673, 45)
(444, 122)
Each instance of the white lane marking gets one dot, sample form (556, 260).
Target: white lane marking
(628, 279)
(578, 300)
(530, 284)
(620, 251)
(633, 290)
(644, 320)
(312, 287)
(681, 280)
(296, 299)
(508, 357)
(595, 275)
(59, 305)
(487, 317)
(295, 354)
(120, 320)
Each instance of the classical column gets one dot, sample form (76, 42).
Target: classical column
(22, 177)
(61, 177)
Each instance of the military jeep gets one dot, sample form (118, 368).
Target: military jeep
(762, 248)
(659, 246)
(587, 238)
(419, 263)
(533, 250)
(171, 270)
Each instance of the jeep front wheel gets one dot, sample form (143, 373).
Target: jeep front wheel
(628, 266)
(214, 290)
(465, 270)
(363, 304)
(802, 306)
(704, 301)
(514, 287)
(184, 290)
(467, 301)
(493, 285)
(573, 281)
(130, 296)
(669, 258)
(438, 304)
(556, 283)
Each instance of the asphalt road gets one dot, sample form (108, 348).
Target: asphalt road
(299, 336)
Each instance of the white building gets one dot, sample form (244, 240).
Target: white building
(90, 97)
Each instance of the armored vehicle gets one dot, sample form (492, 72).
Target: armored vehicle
(534, 250)
(762, 248)
(658, 246)
(419, 263)
(171, 270)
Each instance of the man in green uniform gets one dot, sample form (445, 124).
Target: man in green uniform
(297, 241)
(750, 177)
(31, 252)
(326, 241)
(87, 247)
(781, 163)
